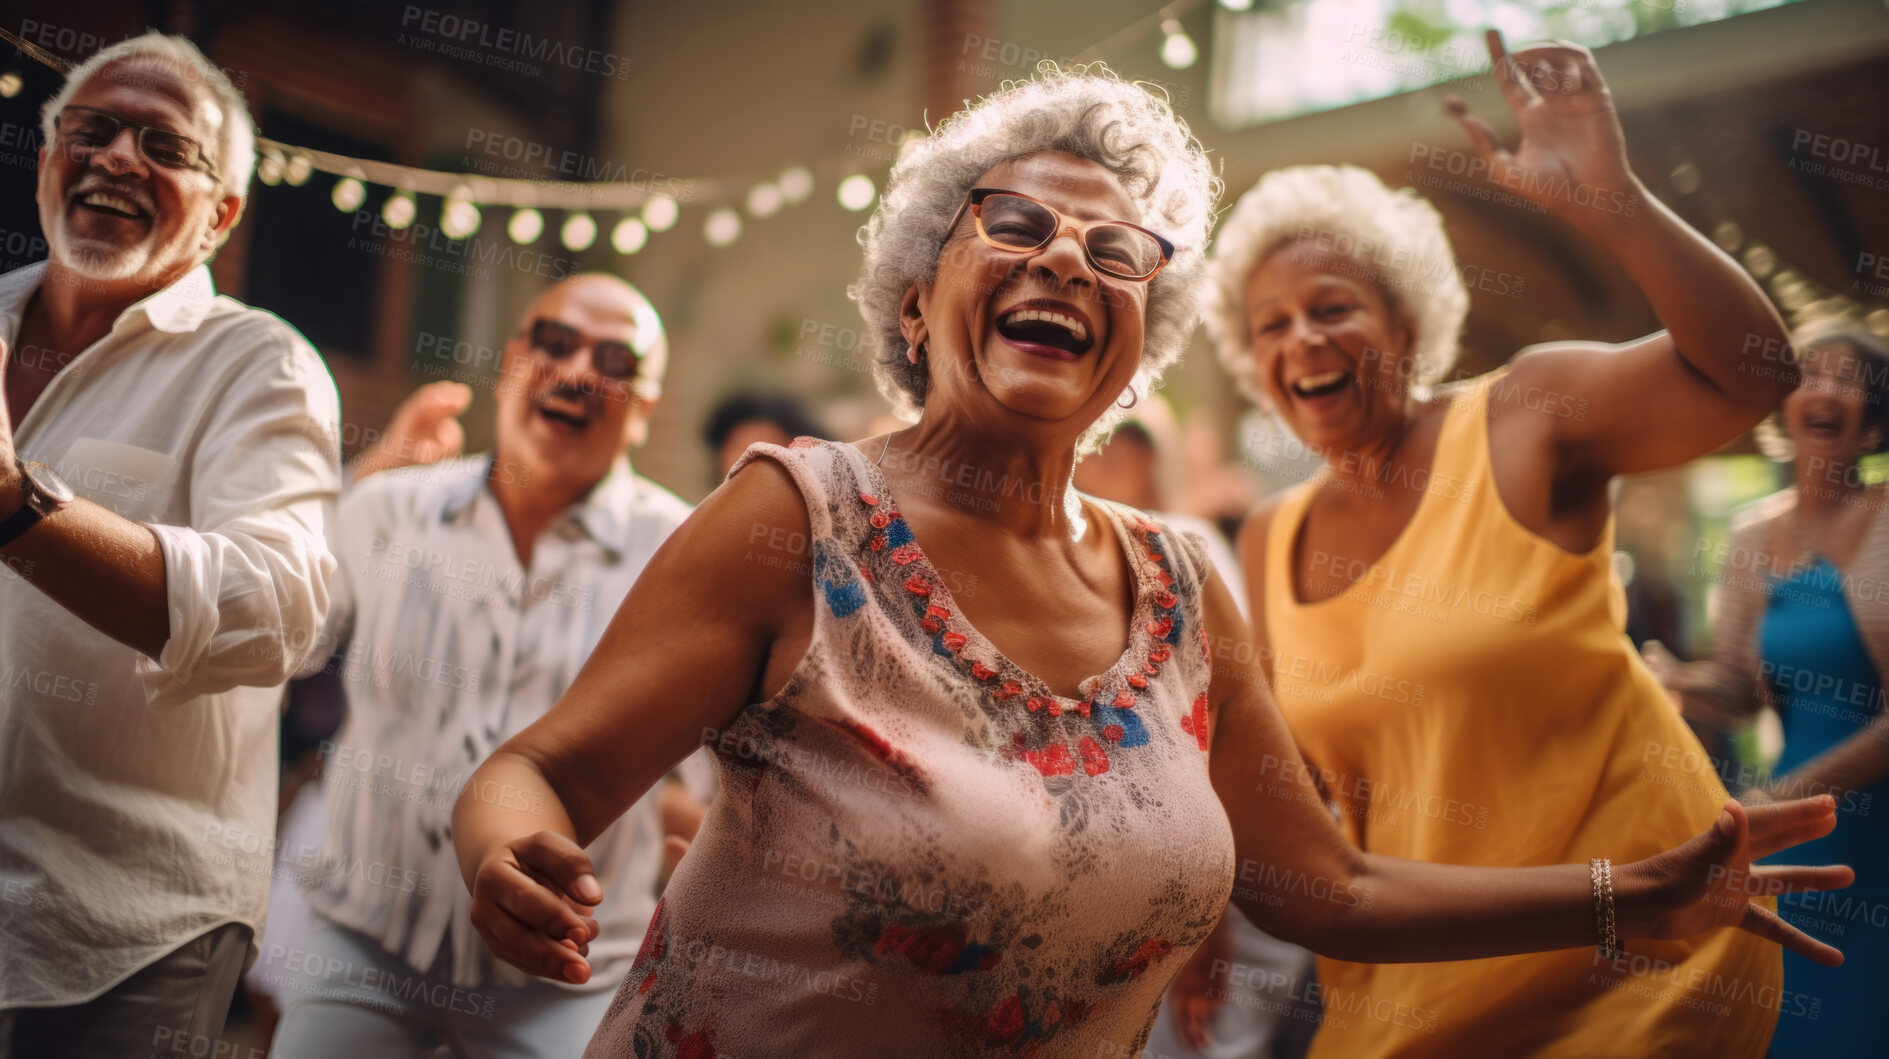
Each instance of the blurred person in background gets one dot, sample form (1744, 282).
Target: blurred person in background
(473, 591)
(1243, 995)
(928, 846)
(167, 481)
(749, 418)
(1142, 464)
(1439, 609)
(1801, 624)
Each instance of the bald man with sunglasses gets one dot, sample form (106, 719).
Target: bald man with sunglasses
(470, 593)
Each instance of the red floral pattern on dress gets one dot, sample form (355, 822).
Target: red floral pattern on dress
(1003, 1024)
(934, 949)
(1144, 956)
(695, 1045)
(1052, 760)
(1195, 724)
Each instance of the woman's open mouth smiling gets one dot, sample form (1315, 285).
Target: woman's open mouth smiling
(1046, 329)
(1322, 384)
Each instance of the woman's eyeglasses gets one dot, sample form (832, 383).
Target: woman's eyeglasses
(91, 128)
(612, 358)
(1014, 222)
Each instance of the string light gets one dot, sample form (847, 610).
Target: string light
(348, 195)
(464, 194)
(660, 213)
(856, 192)
(796, 184)
(579, 232)
(764, 200)
(459, 218)
(399, 209)
(629, 236)
(723, 227)
(525, 226)
(1178, 50)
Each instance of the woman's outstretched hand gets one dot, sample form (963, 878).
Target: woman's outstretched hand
(1709, 882)
(532, 900)
(1573, 154)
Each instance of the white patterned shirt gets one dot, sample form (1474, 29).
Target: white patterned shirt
(455, 648)
(133, 789)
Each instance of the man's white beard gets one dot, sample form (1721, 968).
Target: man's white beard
(99, 260)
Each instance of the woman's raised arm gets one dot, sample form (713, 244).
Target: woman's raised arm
(1297, 878)
(1721, 363)
(688, 648)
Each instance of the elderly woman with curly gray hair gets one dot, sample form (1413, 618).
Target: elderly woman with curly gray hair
(1437, 607)
(960, 822)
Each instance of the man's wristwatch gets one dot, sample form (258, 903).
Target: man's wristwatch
(45, 493)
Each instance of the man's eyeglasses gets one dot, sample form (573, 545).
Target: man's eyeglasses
(613, 359)
(91, 128)
(1014, 222)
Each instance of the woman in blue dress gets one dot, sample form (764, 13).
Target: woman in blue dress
(1802, 623)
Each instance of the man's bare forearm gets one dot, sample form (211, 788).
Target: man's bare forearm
(104, 568)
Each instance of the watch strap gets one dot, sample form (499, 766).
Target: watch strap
(18, 523)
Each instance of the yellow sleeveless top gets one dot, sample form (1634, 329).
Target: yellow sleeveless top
(1473, 699)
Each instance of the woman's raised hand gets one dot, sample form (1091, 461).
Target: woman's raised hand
(1573, 154)
(532, 900)
(1709, 882)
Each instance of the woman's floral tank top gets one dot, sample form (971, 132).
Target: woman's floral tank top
(918, 849)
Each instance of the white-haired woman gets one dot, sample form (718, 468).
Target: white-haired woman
(1801, 622)
(928, 844)
(1437, 607)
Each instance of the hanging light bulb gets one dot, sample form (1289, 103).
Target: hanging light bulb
(348, 195)
(579, 232)
(525, 226)
(764, 200)
(723, 227)
(1237, 5)
(660, 213)
(459, 218)
(399, 209)
(1177, 49)
(10, 84)
(796, 184)
(299, 169)
(629, 235)
(856, 192)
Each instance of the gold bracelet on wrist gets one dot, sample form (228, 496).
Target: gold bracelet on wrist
(1600, 872)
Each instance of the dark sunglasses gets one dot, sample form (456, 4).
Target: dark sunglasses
(91, 128)
(612, 358)
(1015, 222)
